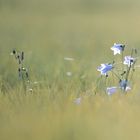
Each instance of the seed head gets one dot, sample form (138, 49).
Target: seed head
(22, 56)
(14, 51)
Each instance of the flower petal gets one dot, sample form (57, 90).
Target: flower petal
(111, 90)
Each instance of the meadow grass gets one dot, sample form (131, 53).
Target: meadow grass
(48, 32)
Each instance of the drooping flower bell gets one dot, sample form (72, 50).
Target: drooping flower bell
(128, 60)
(105, 68)
(111, 90)
(124, 85)
(117, 48)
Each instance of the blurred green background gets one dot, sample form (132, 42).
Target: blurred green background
(47, 31)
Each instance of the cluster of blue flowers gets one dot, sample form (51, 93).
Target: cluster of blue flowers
(122, 71)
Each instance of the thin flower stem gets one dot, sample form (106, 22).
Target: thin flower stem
(128, 71)
(133, 69)
(122, 61)
(131, 76)
(130, 67)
